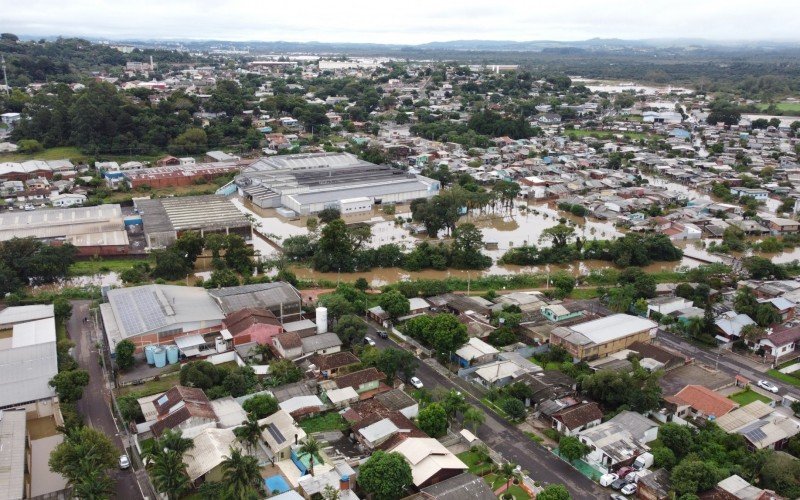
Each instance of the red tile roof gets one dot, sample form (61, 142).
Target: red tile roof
(240, 321)
(704, 400)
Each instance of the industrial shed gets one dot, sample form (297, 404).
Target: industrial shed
(164, 219)
(309, 183)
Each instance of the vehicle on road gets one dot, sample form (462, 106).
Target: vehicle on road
(416, 382)
(617, 496)
(607, 479)
(768, 386)
(383, 334)
(124, 462)
(618, 484)
(629, 489)
(369, 341)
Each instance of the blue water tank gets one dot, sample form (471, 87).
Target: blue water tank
(148, 353)
(172, 354)
(160, 357)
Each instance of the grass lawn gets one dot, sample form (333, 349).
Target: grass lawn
(47, 154)
(748, 396)
(785, 377)
(535, 437)
(163, 384)
(495, 481)
(473, 461)
(584, 293)
(331, 421)
(784, 107)
(97, 266)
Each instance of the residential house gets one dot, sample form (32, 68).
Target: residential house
(460, 487)
(368, 379)
(340, 478)
(279, 433)
(474, 352)
(730, 324)
(557, 312)
(398, 400)
(784, 307)
(736, 488)
(184, 408)
(251, 325)
(699, 402)
(666, 359)
(576, 418)
(329, 365)
(302, 406)
(654, 486)
(431, 462)
(667, 305)
(67, 200)
(778, 226)
(288, 345)
(324, 343)
(779, 342)
(211, 447)
(620, 440)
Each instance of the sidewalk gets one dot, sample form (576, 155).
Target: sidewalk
(745, 360)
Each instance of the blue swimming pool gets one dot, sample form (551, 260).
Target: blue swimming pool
(276, 483)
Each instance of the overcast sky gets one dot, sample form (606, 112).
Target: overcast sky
(404, 21)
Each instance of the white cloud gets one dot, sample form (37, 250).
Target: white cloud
(405, 21)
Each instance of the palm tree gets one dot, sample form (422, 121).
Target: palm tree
(508, 471)
(242, 475)
(474, 418)
(169, 474)
(312, 447)
(249, 432)
(173, 440)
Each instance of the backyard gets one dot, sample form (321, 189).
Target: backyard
(330, 421)
(163, 384)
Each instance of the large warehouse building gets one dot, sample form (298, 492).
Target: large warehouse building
(604, 336)
(96, 230)
(309, 183)
(164, 219)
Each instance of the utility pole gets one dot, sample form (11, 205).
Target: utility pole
(5, 76)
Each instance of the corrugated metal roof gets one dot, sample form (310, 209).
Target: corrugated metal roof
(12, 454)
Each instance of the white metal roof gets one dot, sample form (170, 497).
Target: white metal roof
(40, 331)
(340, 395)
(379, 430)
(12, 454)
(18, 314)
(613, 327)
(211, 446)
(427, 456)
(298, 402)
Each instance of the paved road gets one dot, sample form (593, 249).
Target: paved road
(94, 405)
(727, 362)
(506, 439)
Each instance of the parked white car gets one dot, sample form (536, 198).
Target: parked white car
(607, 479)
(124, 462)
(416, 382)
(628, 489)
(768, 386)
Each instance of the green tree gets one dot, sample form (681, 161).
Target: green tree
(129, 408)
(564, 283)
(351, 330)
(85, 459)
(123, 354)
(473, 418)
(664, 458)
(394, 303)
(170, 265)
(554, 492)
(558, 236)
(283, 371)
(62, 309)
(261, 405)
(190, 244)
(69, 385)
(433, 420)
(466, 248)
(694, 476)
(443, 332)
(338, 306)
(385, 475)
(238, 255)
(242, 476)
(677, 438)
(454, 403)
(572, 448)
(310, 447)
(513, 407)
(391, 361)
